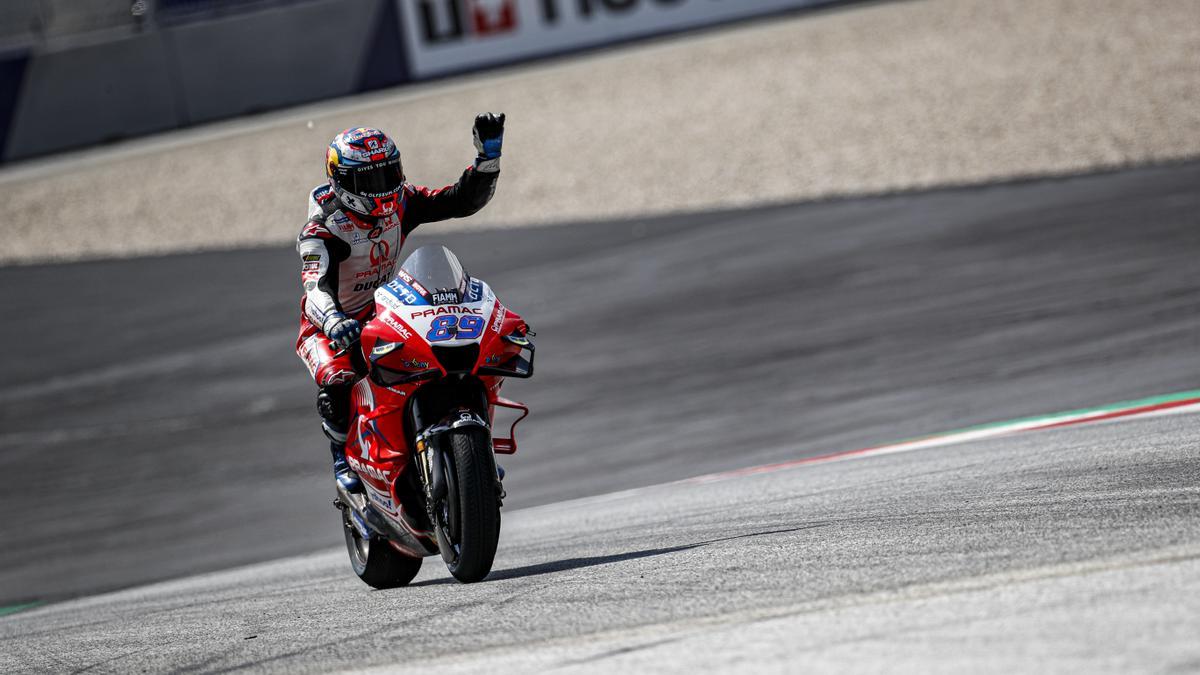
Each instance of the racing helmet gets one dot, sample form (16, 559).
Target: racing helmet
(363, 167)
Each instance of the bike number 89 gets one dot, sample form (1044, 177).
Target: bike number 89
(455, 328)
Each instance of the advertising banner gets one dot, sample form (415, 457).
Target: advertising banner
(445, 36)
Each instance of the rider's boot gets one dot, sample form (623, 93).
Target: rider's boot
(342, 472)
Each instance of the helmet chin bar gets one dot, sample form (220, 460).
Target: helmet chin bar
(384, 206)
(354, 202)
(371, 208)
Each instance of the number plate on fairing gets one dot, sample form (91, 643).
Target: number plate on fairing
(452, 325)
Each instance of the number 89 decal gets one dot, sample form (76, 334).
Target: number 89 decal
(455, 328)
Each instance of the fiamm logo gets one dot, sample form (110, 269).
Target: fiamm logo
(451, 20)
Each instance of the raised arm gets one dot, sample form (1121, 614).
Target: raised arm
(472, 191)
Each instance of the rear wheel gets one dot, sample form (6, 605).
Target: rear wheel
(375, 561)
(468, 519)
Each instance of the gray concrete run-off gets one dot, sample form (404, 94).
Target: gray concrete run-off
(1073, 550)
(853, 100)
(156, 422)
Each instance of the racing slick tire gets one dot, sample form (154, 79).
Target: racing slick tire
(375, 561)
(468, 519)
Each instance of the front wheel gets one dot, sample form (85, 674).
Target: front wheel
(375, 561)
(468, 518)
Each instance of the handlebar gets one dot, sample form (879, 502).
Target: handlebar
(349, 348)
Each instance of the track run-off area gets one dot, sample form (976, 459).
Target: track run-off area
(1064, 549)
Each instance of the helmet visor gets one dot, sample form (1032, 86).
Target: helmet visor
(374, 180)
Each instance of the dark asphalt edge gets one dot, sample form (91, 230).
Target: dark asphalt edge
(951, 188)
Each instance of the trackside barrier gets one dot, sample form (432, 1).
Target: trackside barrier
(173, 76)
(55, 97)
(13, 65)
(447, 36)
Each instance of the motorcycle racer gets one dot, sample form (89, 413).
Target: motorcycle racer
(357, 224)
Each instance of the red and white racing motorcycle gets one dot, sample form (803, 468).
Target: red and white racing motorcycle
(421, 438)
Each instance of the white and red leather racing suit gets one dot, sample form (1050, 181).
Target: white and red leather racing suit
(345, 257)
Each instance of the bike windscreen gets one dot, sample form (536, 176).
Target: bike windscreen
(437, 269)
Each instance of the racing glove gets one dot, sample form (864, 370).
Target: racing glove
(342, 331)
(489, 137)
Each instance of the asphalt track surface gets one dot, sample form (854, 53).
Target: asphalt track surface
(1073, 550)
(156, 423)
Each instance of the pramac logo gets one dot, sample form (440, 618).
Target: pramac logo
(380, 252)
(449, 20)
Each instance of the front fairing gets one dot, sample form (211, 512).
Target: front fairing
(410, 334)
(420, 336)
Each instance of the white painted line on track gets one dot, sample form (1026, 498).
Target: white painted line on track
(1185, 406)
(1176, 404)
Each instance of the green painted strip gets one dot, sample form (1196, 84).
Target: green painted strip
(1123, 405)
(13, 609)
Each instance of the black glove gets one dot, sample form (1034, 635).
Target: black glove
(342, 331)
(489, 135)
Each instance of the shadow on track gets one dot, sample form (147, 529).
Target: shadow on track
(594, 561)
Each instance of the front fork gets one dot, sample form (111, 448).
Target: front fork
(431, 449)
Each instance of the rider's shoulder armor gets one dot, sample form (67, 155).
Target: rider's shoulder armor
(322, 203)
(326, 220)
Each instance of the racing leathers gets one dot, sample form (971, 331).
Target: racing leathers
(345, 257)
